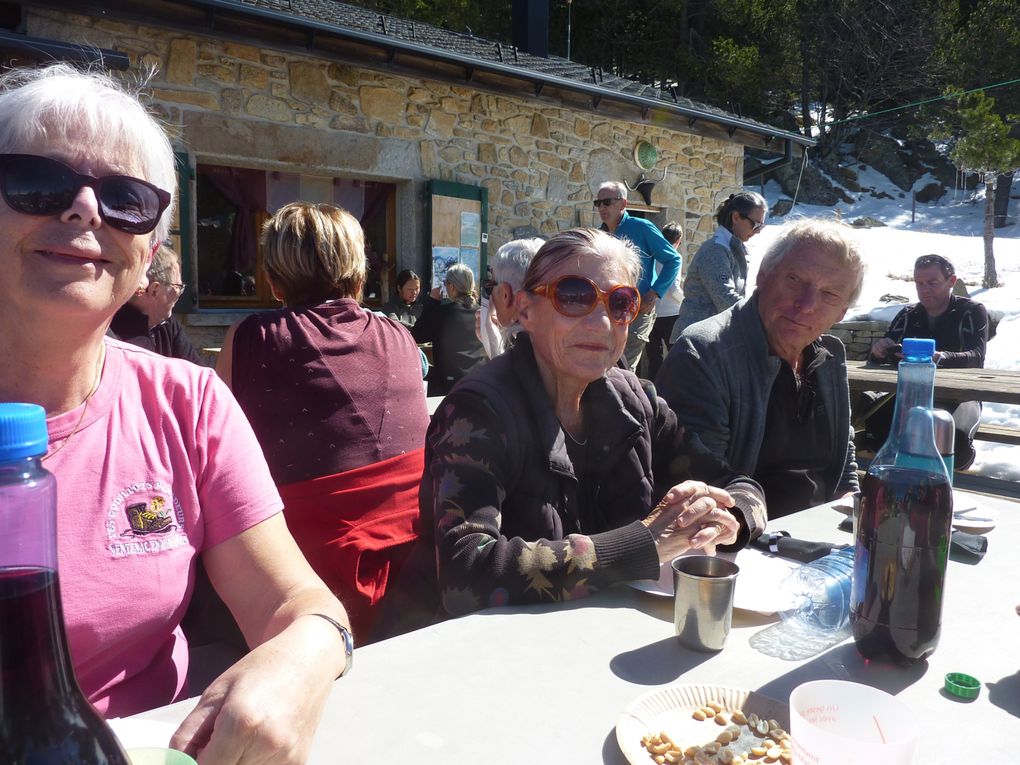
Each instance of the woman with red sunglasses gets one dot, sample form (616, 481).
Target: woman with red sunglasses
(156, 465)
(551, 472)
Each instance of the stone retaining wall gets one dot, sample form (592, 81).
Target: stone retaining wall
(858, 336)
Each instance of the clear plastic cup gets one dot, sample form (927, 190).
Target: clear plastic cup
(834, 722)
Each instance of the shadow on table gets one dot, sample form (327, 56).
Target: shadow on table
(611, 754)
(656, 663)
(1005, 694)
(844, 663)
(655, 606)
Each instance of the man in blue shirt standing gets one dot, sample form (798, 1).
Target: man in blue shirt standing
(610, 203)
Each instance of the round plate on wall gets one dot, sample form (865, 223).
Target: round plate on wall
(645, 155)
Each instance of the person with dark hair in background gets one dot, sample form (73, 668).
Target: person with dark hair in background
(610, 204)
(716, 277)
(959, 327)
(666, 311)
(405, 307)
(147, 319)
(450, 326)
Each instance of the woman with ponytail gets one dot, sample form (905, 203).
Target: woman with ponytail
(717, 275)
(450, 326)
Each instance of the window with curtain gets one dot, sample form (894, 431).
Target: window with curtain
(233, 203)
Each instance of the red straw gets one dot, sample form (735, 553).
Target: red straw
(880, 734)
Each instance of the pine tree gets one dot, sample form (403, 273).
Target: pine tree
(981, 142)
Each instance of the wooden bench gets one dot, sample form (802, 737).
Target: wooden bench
(999, 434)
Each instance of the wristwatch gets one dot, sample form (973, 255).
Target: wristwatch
(348, 638)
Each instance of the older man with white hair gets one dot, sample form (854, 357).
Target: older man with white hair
(147, 319)
(761, 386)
(610, 203)
(497, 318)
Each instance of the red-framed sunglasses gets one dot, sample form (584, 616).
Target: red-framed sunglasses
(577, 296)
(34, 185)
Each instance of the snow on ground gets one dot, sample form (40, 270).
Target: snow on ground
(953, 228)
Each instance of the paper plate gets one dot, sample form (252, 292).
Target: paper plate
(758, 583)
(669, 709)
(982, 521)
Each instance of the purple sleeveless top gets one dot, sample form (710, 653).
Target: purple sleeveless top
(328, 388)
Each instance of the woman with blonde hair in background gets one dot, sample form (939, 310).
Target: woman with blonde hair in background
(334, 394)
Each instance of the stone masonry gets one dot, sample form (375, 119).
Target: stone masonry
(225, 102)
(541, 163)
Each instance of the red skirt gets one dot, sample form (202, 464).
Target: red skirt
(357, 529)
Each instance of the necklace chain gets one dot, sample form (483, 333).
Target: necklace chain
(85, 405)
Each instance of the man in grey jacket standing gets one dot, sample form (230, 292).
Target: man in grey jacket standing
(759, 384)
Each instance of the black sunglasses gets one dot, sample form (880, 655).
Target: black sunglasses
(756, 225)
(604, 202)
(35, 185)
(488, 286)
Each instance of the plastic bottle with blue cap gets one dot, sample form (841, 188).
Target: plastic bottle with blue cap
(44, 716)
(901, 548)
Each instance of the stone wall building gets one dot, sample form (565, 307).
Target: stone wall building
(272, 100)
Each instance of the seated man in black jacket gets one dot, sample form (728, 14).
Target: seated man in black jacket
(959, 327)
(147, 321)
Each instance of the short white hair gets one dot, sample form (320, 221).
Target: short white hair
(511, 261)
(616, 186)
(835, 238)
(60, 104)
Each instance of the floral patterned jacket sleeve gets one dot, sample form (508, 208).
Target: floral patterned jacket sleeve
(470, 470)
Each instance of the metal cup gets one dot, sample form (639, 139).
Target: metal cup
(703, 605)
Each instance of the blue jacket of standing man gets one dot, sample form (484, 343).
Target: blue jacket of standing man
(610, 203)
(646, 236)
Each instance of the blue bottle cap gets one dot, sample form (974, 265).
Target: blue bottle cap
(22, 431)
(918, 348)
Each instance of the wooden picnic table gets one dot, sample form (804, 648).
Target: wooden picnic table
(951, 385)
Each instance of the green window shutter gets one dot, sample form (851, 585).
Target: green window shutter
(183, 236)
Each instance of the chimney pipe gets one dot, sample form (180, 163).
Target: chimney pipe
(530, 26)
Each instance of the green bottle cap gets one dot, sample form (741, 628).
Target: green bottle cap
(962, 686)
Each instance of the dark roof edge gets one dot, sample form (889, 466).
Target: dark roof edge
(64, 51)
(425, 51)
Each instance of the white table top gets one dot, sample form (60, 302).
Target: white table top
(545, 684)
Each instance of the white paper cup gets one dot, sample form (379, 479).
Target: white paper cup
(158, 756)
(834, 722)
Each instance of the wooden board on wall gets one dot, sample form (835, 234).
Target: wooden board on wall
(458, 222)
(446, 219)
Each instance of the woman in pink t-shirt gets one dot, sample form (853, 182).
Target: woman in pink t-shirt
(155, 463)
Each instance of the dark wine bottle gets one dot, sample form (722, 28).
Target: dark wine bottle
(45, 718)
(902, 545)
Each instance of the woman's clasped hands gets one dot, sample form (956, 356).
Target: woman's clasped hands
(692, 516)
